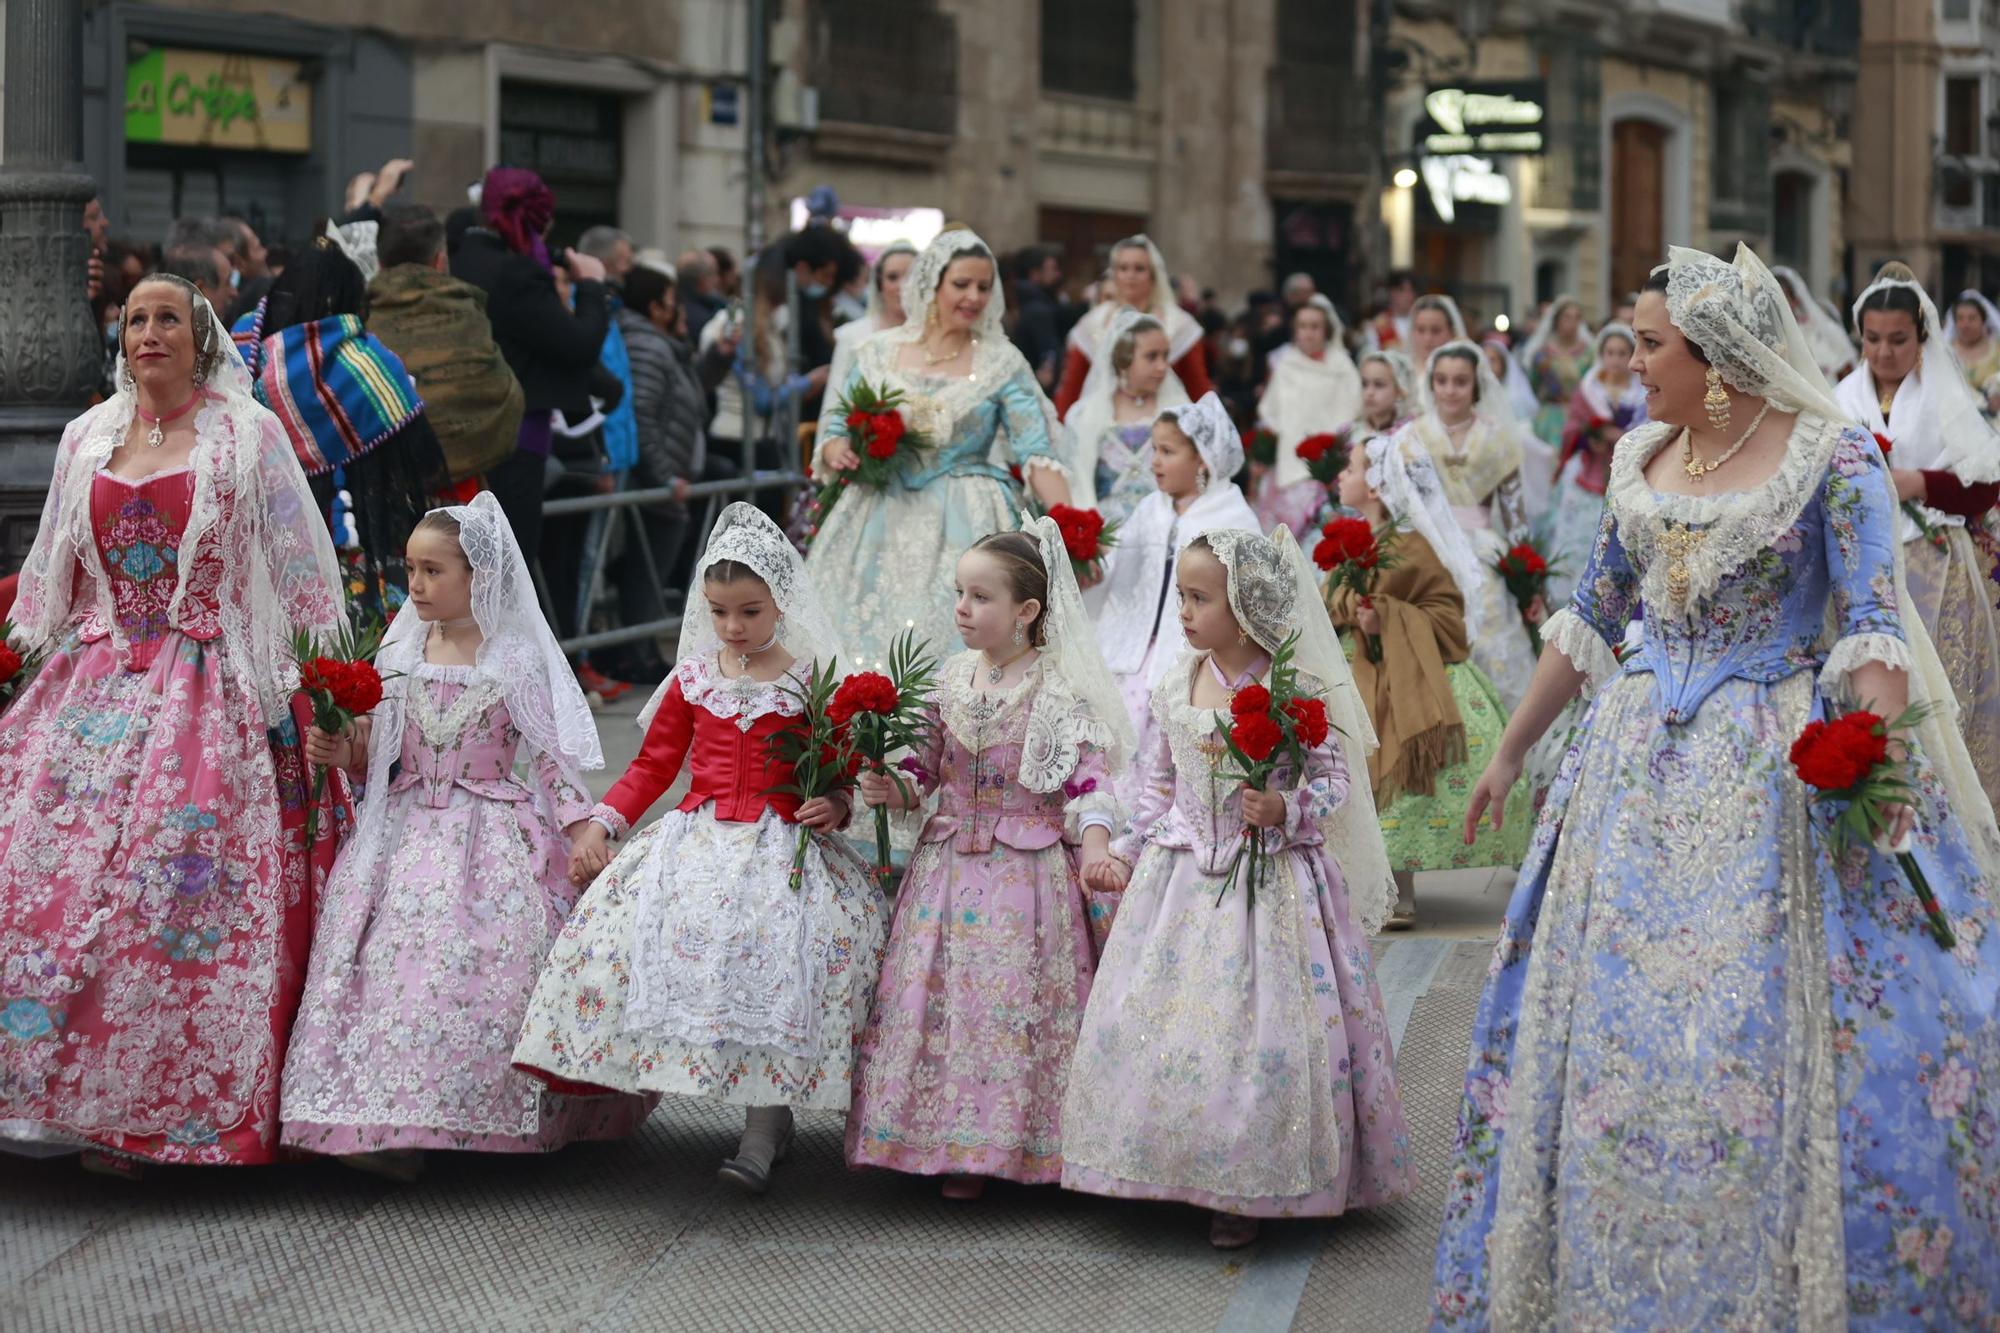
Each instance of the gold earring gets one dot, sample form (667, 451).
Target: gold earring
(1201, 478)
(1716, 401)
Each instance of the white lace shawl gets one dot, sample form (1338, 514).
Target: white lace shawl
(1308, 396)
(1079, 701)
(1934, 419)
(252, 508)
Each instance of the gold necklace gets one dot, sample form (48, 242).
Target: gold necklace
(1698, 469)
(1888, 396)
(952, 355)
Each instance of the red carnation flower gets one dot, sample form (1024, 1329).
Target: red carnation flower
(1346, 540)
(1082, 530)
(887, 427)
(1836, 755)
(10, 664)
(1313, 447)
(879, 447)
(1527, 560)
(1250, 699)
(1309, 722)
(857, 424)
(862, 692)
(1884, 443)
(1257, 736)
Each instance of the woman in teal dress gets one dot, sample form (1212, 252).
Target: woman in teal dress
(886, 558)
(1722, 1076)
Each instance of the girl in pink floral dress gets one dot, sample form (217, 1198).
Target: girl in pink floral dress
(962, 1068)
(155, 882)
(446, 900)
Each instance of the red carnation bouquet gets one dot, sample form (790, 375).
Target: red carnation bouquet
(1847, 760)
(1261, 446)
(1267, 728)
(1325, 456)
(1087, 538)
(880, 714)
(1525, 571)
(1915, 511)
(338, 677)
(882, 440)
(820, 752)
(16, 667)
(1354, 556)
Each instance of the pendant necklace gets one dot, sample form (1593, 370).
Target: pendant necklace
(157, 437)
(743, 659)
(1698, 469)
(1247, 678)
(1888, 398)
(994, 671)
(930, 360)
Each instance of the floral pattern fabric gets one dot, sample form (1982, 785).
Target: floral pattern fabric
(964, 1065)
(155, 885)
(1235, 1053)
(1719, 1078)
(423, 961)
(695, 966)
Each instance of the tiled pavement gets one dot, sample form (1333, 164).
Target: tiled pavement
(638, 1235)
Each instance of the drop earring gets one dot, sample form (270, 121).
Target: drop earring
(1017, 632)
(1716, 401)
(1201, 478)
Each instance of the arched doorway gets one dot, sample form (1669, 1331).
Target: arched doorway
(1638, 202)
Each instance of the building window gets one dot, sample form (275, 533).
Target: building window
(1318, 107)
(1739, 157)
(1957, 11)
(888, 63)
(1791, 219)
(1962, 139)
(571, 138)
(1090, 48)
(1572, 168)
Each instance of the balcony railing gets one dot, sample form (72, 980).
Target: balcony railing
(892, 64)
(1065, 122)
(1318, 120)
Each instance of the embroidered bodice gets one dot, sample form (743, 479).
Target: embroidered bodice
(962, 418)
(138, 526)
(1743, 585)
(458, 735)
(1188, 799)
(974, 763)
(722, 729)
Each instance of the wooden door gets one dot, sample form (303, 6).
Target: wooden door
(1638, 203)
(1085, 238)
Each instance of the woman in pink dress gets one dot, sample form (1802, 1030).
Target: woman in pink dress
(456, 882)
(961, 1069)
(156, 886)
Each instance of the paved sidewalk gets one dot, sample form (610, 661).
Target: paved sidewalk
(639, 1235)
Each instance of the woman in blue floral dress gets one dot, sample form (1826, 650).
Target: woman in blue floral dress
(1721, 1077)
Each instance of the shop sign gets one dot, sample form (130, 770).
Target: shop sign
(1463, 179)
(1485, 118)
(217, 99)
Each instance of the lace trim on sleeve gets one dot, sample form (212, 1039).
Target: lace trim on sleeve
(1856, 650)
(614, 823)
(1572, 636)
(1092, 808)
(1045, 462)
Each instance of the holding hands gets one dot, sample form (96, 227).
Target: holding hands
(590, 851)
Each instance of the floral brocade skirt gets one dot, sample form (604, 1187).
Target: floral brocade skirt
(156, 903)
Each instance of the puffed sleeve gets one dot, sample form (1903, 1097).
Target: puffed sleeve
(659, 762)
(1606, 599)
(1861, 531)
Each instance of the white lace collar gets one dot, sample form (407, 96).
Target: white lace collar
(1680, 573)
(731, 699)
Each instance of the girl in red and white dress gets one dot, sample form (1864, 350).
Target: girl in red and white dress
(694, 965)
(1139, 282)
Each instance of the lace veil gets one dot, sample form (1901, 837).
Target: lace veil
(1494, 407)
(1830, 347)
(1950, 431)
(1183, 331)
(746, 535)
(1520, 392)
(1088, 707)
(1401, 371)
(1215, 438)
(253, 519)
(874, 312)
(1546, 329)
(1737, 313)
(1978, 298)
(1274, 593)
(518, 660)
(1400, 470)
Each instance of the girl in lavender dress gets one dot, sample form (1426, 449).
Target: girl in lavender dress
(961, 1071)
(445, 901)
(1235, 1052)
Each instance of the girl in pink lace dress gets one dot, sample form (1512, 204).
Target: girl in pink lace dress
(446, 900)
(962, 1068)
(155, 882)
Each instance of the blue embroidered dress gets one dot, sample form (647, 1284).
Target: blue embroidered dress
(886, 559)
(1719, 1081)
